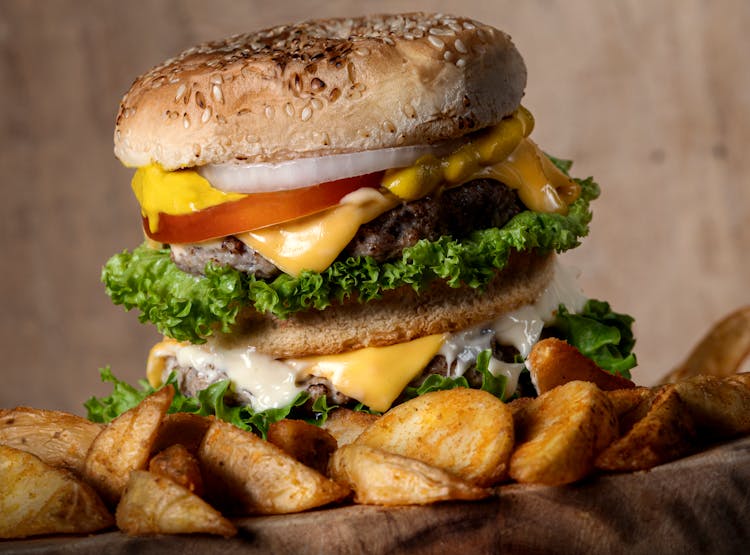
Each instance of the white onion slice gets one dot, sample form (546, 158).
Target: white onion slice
(305, 172)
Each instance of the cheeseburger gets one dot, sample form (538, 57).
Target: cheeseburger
(350, 212)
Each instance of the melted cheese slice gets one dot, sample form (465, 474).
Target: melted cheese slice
(314, 242)
(374, 375)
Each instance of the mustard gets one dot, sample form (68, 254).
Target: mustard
(490, 147)
(174, 193)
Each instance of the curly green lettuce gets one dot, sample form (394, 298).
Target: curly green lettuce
(210, 402)
(190, 308)
(604, 336)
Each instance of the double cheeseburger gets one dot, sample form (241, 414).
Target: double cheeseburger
(350, 212)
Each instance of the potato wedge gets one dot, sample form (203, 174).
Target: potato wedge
(177, 464)
(664, 434)
(260, 477)
(154, 504)
(37, 499)
(720, 352)
(561, 432)
(345, 425)
(466, 432)
(720, 407)
(382, 478)
(181, 428)
(554, 362)
(309, 444)
(58, 438)
(630, 405)
(125, 445)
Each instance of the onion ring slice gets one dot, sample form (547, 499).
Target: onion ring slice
(305, 172)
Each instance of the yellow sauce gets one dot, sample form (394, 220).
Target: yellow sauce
(174, 193)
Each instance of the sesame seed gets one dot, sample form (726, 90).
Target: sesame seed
(196, 149)
(200, 100)
(460, 62)
(326, 139)
(409, 111)
(437, 31)
(317, 84)
(448, 56)
(389, 41)
(389, 127)
(185, 121)
(206, 115)
(269, 112)
(362, 51)
(351, 72)
(180, 91)
(460, 46)
(216, 79)
(316, 103)
(306, 113)
(436, 42)
(408, 36)
(289, 109)
(454, 26)
(469, 26)
(217, 94)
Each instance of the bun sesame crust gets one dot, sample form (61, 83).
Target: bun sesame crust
(321, 87)
(400, 315)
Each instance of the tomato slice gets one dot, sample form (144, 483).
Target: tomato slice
(256, 210)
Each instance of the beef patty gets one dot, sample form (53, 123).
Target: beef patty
(478, 204)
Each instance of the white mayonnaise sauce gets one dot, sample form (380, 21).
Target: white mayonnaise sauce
(520, 328)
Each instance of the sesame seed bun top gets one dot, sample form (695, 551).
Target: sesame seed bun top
(321, 87)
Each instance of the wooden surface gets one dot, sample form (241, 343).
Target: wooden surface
(649, 97)
(696, 505)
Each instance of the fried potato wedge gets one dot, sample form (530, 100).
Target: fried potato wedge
(466, 432)
(58, 438)
(309, 444)
(382, 478)
(553, 362)
(181, 428)
(345, 425)
(180, 466)
(37, 499)
(125, 445)
(664, 434)
(630, 405)
(720, 407)
(561, 432)
(154, 504)
(720, 352)
(260, 477)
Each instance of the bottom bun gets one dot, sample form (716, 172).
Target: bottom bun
(399, 316)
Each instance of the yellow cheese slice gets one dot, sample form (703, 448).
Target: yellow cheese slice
(314, 242)
(376, 376)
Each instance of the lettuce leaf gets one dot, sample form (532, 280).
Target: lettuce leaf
(190, 308)
(604, 336)
(210, 402)
(435, 382)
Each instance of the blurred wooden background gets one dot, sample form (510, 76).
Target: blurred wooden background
(652, 98)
